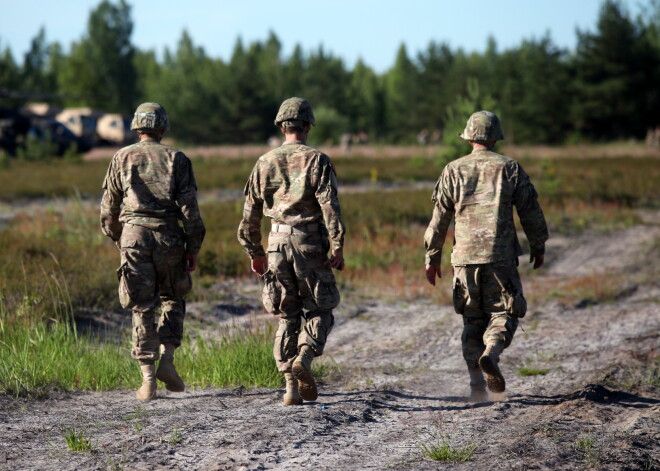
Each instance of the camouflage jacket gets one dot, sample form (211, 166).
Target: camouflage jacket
(294, 184)
(479, 191)
(150, 184)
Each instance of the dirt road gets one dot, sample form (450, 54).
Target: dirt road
(399, 384)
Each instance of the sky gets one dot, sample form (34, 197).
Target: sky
(371, 30)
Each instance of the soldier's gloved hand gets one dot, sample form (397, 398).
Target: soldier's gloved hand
(431, 272)
(537, 259)
(260, 265)
(190, 262)
(337, 259)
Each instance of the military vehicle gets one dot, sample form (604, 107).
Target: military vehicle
(114, 129)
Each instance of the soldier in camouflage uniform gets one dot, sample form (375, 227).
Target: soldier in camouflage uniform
(295, 185)
(479, 192)
(148, 190)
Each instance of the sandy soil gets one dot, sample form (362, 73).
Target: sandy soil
(399, 383)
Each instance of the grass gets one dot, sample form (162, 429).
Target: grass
(629, 181)
(37, 357)
(175, 437)
(586, 444)
(77, 441)
(384, 250)
(443, 451)
(531, 371)
(55, 261)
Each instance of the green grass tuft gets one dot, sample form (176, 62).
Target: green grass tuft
(531, 371)
(77, 441)
(444, 451)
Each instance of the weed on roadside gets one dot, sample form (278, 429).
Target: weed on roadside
(175, 437)
(586, 444)
(443, 451)
(531, 371)
(439, 443)
(77, 440)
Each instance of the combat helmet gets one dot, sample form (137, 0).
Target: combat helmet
(295, 109)
(150, 117)
(483, 126)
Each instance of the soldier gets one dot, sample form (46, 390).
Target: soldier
(295, 185)
(479, 192)
(148, 189)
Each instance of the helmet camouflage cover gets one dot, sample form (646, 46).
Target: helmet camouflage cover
(150, 117)
(483, 126)
(295, 109)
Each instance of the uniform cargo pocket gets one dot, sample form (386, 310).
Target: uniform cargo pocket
(460, 296)
(182, 285)
(326, 294)
(271, 294)
(517, 305)
(123, 275)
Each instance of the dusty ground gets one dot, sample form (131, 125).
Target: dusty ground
(399, 383)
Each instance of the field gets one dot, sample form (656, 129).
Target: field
(582, 373)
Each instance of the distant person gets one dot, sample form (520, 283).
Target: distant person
(479, 191)
(149, 191)
(423, 137)
(274, 141)
(295, 185)
(345, 142)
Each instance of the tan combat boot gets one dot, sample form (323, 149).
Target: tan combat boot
(166, 371)
(302, 370)
(291, 396)
(488, 363)
(477, 385)
(147, 391)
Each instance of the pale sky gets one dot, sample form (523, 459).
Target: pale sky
(367, 29)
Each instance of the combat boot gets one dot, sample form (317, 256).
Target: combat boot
(291, 396)
(166, 371)
(302, 370)
(488, 363)
(147, 391)
(477, 385)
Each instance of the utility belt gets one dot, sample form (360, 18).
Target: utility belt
(302, 229)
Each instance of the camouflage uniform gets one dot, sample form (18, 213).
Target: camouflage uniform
(295, 185)
(148, 189)
(479, 192)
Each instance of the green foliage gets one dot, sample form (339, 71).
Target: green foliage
(4, 160)
(329, 128)
(616, 98)
(531, 371)
(39, 356)
(457, 115)
(586, 444)
(175, 437)
(240, 358)
(37, 148)
(444, 451)
(100, 69)
(77, 440)
(544, 94)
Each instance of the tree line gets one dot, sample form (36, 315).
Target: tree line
(607, 89)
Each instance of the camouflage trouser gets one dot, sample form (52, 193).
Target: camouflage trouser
(299, 285)
(152, 275)
(490, 298)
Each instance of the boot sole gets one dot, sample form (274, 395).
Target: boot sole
(494, 379)
(306, 384)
